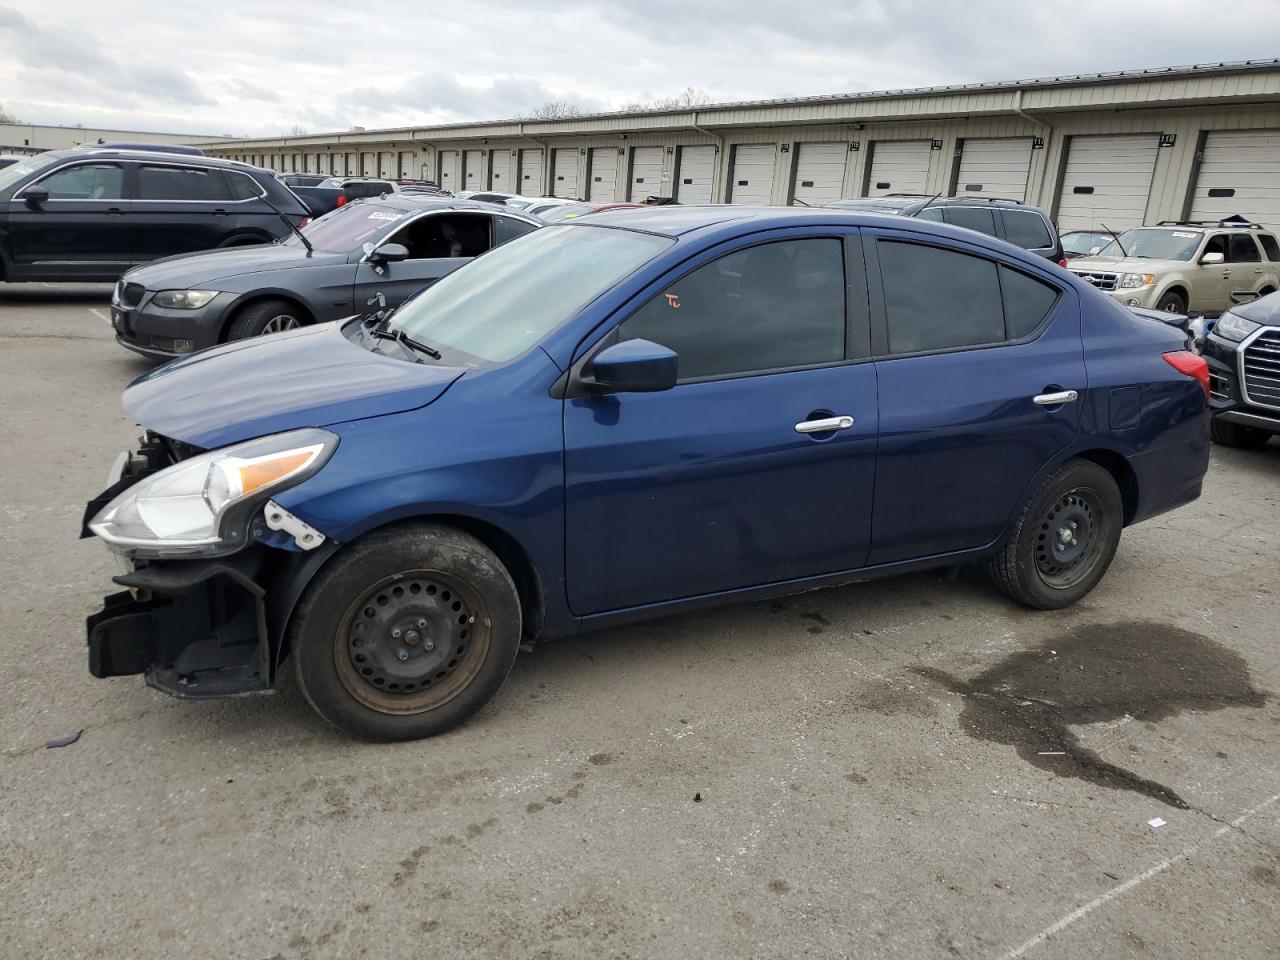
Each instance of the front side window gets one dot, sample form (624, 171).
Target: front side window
(442, 236)
(181, 183)
(1027, 230)
(939, 299)
(86, 181)
(506, 301)
(768, 307)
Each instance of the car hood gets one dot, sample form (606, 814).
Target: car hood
(1264, 310)
(189, 271)
(1124, 264)
(312, 377)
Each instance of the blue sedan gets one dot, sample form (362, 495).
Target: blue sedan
(636, 414)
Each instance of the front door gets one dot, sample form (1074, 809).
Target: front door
(745, 472)
(981, 381)
(81, 232)
(438, 244)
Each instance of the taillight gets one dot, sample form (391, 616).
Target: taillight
(1191, 365)
(342, 198)
(304, 222)
(1062, 262)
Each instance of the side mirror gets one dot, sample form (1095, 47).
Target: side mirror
(1093, 250)
(1209, 259)
(389, 253)
(633, 366)
(34, 195)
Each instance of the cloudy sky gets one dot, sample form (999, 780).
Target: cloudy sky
(255, 67)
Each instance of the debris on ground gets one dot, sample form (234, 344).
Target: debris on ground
(64, 739)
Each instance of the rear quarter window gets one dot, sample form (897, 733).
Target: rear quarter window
(1026, 229)
(1270, 247)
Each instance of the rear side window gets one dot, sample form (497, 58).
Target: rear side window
(86, 181)
(930, 213)
(940, 299)
(1242, 249)
(509, 228)
(769, 307)
(1026, 229)
(242, 187)
(1270, 247)
(181, 183)
(975, 218)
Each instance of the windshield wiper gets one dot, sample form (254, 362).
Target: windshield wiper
(402, 338)
(1116, 237)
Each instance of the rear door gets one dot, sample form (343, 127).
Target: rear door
(179, 209)
(715, 485)
(438, 243)
(80, 232)
(971, 350)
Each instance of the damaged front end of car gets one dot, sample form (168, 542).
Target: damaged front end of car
(213, 564)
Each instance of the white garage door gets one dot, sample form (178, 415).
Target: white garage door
(604, 174)
(820, 172)
(368, 164)
(696, 174)
(752, 178)
(449, 170)
(404, 169)
(994, 168)
(898, 166)
(566, 173)
(500, 171)
(473, 170)
(530, 182)
(646, 173)
(1239, 173)
(351, 167)
(1107, 180)
(387, 164)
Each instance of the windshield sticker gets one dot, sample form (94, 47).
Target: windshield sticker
(1185, 236)
(384, 215)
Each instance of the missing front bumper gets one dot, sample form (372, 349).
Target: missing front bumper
(194, 629)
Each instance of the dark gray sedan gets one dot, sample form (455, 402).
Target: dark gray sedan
(394, 246)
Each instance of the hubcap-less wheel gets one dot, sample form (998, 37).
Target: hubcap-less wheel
(1065, 546)
(280, 323)
(412, 642)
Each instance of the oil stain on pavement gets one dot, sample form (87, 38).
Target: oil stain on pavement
(1097, 673)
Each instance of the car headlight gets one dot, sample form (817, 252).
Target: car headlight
(183, 299)
(1232, 326)
(202, 506)
(1131, 280)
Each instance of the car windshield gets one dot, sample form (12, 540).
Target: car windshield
(1150, 243)
(564, 211)
(16, 172)
(346, 229)
(506, 301)
(1083, 242)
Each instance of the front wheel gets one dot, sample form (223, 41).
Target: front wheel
(264, 317)
(1064, 539)
(1237, 435)
(1172, 302)
(406, 633)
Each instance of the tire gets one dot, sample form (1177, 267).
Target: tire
(1036, 565)
(266, 316)
(1237, 435)
(243, 240)
(368, 682)
(1172, 302)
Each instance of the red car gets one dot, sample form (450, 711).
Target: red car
(571, 211)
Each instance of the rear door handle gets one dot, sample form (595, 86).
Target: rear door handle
(1055, 399)
(114, 210)
(825, 425)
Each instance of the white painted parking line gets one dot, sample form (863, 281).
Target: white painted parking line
(1143, 877)
(100, 315)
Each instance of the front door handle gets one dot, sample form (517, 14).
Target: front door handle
(1055, 399)
(115, 211)
(825, 425)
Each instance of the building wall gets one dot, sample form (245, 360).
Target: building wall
(31, 138)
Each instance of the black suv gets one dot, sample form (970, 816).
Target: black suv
(1243, 351)
(91, 213)
(1010, 220)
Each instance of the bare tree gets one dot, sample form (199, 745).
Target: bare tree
(690, 98)
(6, 116)
(554, 110)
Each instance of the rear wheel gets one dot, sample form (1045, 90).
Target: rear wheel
(1173, 302)
(1063, 540)
(1237, 435)
(406, 633)
(266, 316)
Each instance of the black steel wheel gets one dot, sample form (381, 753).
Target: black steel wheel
(1063, 539)
(406, 633)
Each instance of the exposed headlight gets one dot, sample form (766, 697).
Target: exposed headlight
(1232, 326)
(202, 506)
(183, 299)
(1138, 280)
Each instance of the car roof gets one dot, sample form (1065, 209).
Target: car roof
(673, 220)
(118, 153)
(415, 202)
